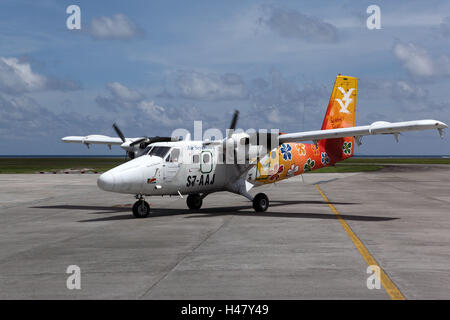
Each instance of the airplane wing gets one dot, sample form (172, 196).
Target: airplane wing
(379, 127)
(96, 139)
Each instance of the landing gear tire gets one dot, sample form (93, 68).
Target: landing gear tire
(260, 202)
(141, 209)
(194, 201)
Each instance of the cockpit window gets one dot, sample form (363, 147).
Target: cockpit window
(173, 156)
(147, 150)
(159, 151)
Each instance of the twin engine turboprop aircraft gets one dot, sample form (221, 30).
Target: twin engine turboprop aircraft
(241, 161)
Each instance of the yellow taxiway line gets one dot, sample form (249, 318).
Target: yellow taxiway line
(387, 283)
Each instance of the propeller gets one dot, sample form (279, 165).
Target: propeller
(139, 141)
(234, 120)
(233, 123)
(119, 132)
(142, 142)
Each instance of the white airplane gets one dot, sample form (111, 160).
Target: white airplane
(241, 161)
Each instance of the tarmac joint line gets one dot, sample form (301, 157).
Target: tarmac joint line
(386, 282)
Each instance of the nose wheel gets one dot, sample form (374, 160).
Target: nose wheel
(260, 202)
(194, 201)
(141, 209)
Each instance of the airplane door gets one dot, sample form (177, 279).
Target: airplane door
(206, 161)
(195, 167)
(171, 164)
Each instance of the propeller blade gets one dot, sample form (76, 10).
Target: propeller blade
(138, 141)
(233, 123)
(119, 133)
(234, 120)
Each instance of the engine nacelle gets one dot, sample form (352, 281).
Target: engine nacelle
(248, 147)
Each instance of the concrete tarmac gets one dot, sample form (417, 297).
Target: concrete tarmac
(298, 249)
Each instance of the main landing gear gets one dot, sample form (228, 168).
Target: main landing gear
(260, 202)
(141, 208)
(194, 201)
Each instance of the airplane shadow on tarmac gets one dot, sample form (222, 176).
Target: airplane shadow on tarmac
(242, 210)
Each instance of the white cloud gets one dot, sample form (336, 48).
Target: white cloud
(22, 117)
(158, 114)
(17, 77)
(137, 106)
(120, 91)
(404, 90)
(419, 62)
(118, 26)
(291, 23)
(212, 86)
(279, 102)
(398, 98)
(121, 97)
(415, 59)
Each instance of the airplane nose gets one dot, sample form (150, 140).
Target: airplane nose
(106, 181)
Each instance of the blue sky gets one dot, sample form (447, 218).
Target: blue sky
(154, 66)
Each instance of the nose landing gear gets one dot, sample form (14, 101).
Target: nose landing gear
(260, 202)
(141, 208)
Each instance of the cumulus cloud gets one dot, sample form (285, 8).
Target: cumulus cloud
(293, 24)
(395, 89)
(399, 95)
(23, 118)
(158, 114)
(120, 91)
(419, 62)
(404, 90)
(116, 27)
(281, 103)
(17, 77)
(212, 86)
(414, 59)
(123, 99)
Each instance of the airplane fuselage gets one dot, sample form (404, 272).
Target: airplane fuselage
(190, 167)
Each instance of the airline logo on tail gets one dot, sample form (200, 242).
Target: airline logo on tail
(346, 100)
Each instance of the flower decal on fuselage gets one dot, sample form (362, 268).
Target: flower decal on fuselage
(315, 149)
(325, 159)
(301, 149)
(292, 171)
(285, 150)
(309, 165)
(275, 173)
(347, 147)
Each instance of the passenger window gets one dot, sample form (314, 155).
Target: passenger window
(195, 158)
(206, 158)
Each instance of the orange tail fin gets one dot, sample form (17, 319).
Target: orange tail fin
(341, 113)
(341, 110)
